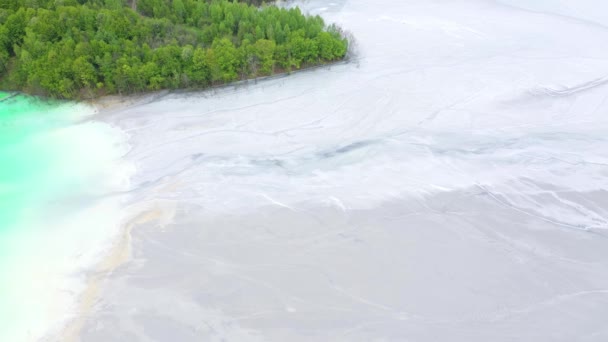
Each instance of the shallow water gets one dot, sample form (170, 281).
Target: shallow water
(54, 169)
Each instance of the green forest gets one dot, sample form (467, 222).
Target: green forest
(86, 48)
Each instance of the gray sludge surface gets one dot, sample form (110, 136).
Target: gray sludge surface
(448, 184)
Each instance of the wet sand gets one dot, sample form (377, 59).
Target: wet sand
(450, 184)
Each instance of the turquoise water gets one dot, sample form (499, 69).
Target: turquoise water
(56, 167)
(33, 171)
(28, 162)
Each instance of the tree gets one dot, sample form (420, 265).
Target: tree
(4, 54)
(264, 50)
(329, 47)
(199, 72)
(85, 74)
(72, 48)
(179, 10)
(15, 28)
(225, 54)
(259, 33)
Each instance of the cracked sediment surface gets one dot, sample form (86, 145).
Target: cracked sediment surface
(449, 184)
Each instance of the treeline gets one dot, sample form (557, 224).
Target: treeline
(85, 48)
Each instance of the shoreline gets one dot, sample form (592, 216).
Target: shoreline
(136, 214)
(119, 249)
(109, 103)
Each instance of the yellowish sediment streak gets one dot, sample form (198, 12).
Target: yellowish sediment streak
(119, 254)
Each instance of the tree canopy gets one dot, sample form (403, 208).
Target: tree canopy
(85, 48)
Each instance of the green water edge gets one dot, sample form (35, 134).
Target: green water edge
(42, 165)
(28, 162)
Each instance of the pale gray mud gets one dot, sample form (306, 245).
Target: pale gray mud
(450, 183)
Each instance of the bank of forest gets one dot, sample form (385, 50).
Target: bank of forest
(87, 48)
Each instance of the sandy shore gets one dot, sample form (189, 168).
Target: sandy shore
(452, 185)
